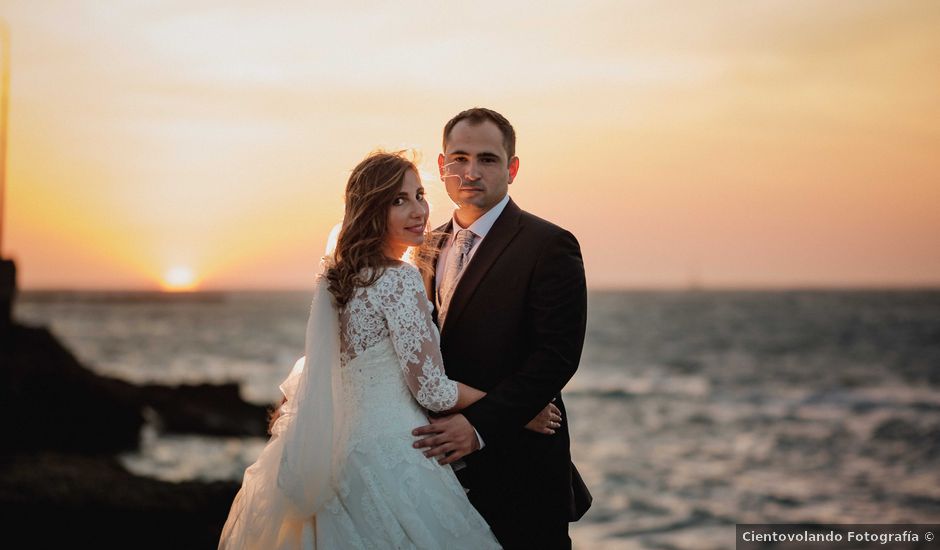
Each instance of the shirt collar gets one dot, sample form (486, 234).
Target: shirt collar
(485, 222)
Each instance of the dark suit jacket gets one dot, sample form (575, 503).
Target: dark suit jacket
(515, 329)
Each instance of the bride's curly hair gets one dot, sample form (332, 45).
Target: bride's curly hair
(359, 257)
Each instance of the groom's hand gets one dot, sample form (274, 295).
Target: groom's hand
(450, 438)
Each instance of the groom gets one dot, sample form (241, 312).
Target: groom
(511, 304)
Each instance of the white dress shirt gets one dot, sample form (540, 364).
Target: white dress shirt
(479, 228)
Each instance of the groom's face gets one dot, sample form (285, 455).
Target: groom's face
(474, 167)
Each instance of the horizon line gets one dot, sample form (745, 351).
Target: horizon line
(596, 288)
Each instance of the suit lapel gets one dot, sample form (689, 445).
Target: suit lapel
(500, 235)
(439, 236)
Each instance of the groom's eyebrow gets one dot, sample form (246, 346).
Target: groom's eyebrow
(484, 154)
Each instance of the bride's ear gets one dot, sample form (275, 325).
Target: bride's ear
(513, 168)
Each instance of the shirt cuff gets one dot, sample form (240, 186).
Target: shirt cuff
(479, 439)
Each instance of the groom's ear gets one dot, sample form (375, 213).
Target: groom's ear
(440, 165)
(513, 168)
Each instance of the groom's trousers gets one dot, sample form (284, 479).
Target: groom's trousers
(520, 519)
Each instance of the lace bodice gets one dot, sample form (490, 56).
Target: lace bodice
(396, 307)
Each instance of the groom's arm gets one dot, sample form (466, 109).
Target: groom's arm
(556, 316)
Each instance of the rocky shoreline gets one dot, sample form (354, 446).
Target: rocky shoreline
(60, 481)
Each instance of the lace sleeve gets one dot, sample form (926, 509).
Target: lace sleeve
(416, 339)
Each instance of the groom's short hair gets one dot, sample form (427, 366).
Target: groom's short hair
(476, 116)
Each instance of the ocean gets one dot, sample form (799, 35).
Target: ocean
(691, 410)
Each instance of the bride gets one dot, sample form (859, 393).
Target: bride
(339, 470)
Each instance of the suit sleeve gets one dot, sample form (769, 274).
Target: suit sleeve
(556, 314)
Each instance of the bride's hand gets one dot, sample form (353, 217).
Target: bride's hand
(547, 421)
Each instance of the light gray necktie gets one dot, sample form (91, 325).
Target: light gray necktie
(463, 242)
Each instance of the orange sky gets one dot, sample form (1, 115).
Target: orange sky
(746, 144)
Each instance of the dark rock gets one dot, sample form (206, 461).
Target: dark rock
(49, 401)
(7, 295)
(57, 500)
(205, 408)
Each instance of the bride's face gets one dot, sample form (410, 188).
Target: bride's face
(407, 216)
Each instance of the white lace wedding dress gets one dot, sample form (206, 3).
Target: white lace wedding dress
(387, 494)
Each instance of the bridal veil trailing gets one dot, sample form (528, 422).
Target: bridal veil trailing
(290, 481)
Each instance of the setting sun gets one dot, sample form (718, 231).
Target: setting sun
(179, 278)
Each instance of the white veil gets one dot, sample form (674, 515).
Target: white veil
(291, 480)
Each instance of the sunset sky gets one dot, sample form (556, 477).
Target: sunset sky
(726, 144)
